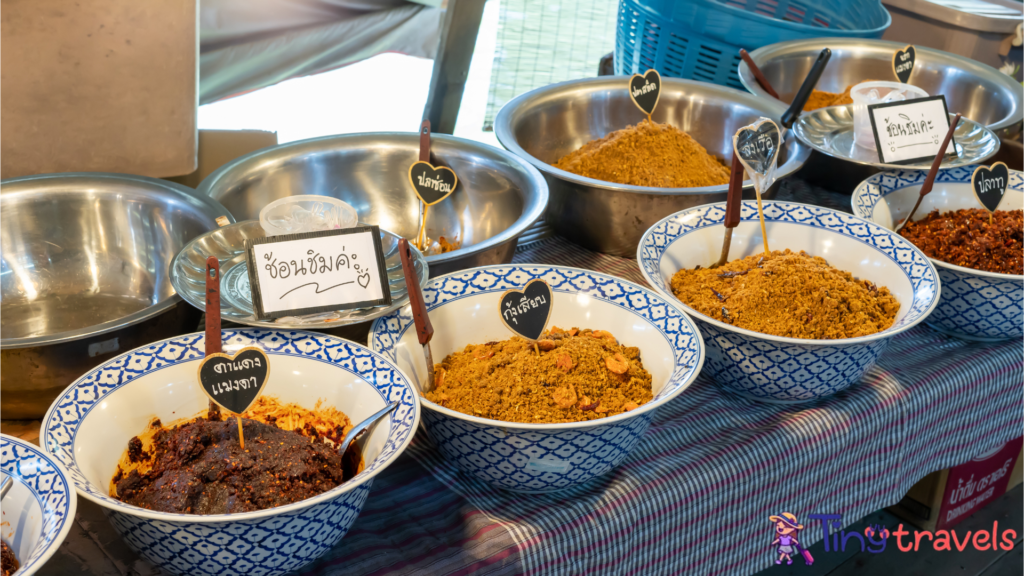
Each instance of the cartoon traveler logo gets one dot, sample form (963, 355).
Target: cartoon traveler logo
(786, 530)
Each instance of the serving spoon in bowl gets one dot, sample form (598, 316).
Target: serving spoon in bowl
(352, 445)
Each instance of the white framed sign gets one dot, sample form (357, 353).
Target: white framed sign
(314, 272)
(910, 131)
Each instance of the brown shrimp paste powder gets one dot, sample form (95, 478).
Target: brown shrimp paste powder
(648, 154)
(577, 376)
(788, 294)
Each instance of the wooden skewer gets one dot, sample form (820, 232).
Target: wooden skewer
(424, 157)
(732, 208)
(758, 75)
(241, 437)
(929, 180)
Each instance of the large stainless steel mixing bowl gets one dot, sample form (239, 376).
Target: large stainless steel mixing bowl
(498, 196)
(544, 125)
(977, 91)
(85, 275)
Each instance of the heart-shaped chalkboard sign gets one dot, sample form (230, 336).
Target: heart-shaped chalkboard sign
(903, 63)
(990, 184)
(431, 184)
(526, 312)
(234, 382)
(645, 90)
(757, 146)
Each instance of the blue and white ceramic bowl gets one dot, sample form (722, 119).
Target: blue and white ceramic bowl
(774, 368)
(463, 309)
(975, 305)
(40, 508)
(88, 427)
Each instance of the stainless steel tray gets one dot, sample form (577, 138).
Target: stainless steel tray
(830, 131)
(228, 244)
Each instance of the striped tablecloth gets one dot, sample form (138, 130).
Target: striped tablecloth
(696, 495)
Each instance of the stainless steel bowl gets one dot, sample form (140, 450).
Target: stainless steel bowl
(498, 197)
(977, 91)
(544, 125)
(84, 275)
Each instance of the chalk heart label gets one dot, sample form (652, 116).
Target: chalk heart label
(990, 184)
(431, 184)
(758, 146)
(234, 382)
(645, 90)
(526, 312)
(903, 63)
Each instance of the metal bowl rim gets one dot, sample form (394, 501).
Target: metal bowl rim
(271, 324)
(801, 123)
(786, 340)
(764, 53)
(532, 208)
(209, 206)
(797, 156)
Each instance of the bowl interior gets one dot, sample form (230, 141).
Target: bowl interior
(970, 88)
(703, 247)
(22, 527)
(867, 251)
(464, 310)
(900, 190)
(371, 173)
(560, 119)
(78, 252)
(98, 414)
(474, 319)
(173, 393)
(40, 507)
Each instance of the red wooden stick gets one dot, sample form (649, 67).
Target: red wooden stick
(425, 141)
(213, 339)
(758, 75)
(735, 197)
(424, 330)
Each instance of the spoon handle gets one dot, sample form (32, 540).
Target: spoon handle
(934, 171)
(8, 482)
(806, 88)
(758, 75)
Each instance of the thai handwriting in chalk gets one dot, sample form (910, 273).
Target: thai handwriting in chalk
(234, 385)
(314, 263)
(522, 307)
(245, 364)
(434, 183)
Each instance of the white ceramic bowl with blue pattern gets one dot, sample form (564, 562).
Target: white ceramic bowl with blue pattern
(39, 509)
(463, 309)
(88, 427)
(774, 368)
(975, 305)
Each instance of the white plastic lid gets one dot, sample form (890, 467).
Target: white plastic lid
(306, 213)
(881, 91)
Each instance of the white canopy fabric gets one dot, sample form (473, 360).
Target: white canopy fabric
(250, 44)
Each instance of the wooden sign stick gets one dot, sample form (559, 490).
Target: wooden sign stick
(213, 339)
(421, 238)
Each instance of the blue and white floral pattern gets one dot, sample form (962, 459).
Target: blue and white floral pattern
(761, 366)
(49, 485)
(264, 543)
(542, 458)
(974, 306)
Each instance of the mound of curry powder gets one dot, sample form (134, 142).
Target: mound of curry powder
(570, 376)
(648, 154)
(788, 294)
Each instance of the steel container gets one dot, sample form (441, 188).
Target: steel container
(497, 198)
(546, 124)
(977, 91)
(84, 275)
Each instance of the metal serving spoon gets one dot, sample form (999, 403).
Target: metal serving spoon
(351, 448)
(8, 482)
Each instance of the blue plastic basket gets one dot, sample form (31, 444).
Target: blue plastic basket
(700, 39)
